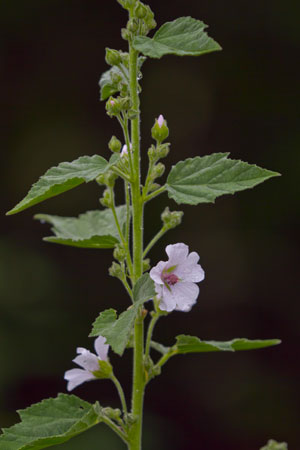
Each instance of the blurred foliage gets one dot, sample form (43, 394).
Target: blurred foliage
(243, 100)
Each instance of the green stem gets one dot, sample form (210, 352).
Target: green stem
(165, 358)
(155, 194)
(127, 199)
(154, 240)
(121, 394)
(124, 242)
(115, 428)
(135, 433)
(152, 324)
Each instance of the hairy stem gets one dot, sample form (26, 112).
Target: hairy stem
(121, 394)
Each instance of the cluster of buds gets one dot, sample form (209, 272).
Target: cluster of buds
(171, 219)
(107, 179)
(114, 106)
(141, 21)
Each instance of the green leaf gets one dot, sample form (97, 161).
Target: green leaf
(64, 177)
(274, 445)
(50, 422)
(192, 344)
(108, 84)
(204, 178)
(117, 331)
(93, 229)
(183, 36)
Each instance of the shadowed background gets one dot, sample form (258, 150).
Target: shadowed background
(241, 100)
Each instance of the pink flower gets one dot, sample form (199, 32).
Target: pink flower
(124, 152)
(160, 121)
(175, 280)
(90, 363)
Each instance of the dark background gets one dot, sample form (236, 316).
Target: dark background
(242, 100)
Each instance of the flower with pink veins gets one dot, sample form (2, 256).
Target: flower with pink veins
(175, 280)
(89, 363)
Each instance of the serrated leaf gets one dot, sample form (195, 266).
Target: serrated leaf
(143, 289)
(183, 36)
(192, 344)
(50, 422)
(93, 229)
(204, 178)
(66, 176)
(117, 331)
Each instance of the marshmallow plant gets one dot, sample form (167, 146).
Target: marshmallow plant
(150, 293)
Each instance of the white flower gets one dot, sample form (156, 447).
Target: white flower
(175, 279)
(124, 152)
(90, 363)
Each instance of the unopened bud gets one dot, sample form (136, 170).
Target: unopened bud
(146, 264)
(129, 3)
(119, 253)
(140, 11)
(115, 270)
(113, 106)
(154, 187)
(158, 170)
(160, 130)
(112, 57)
(112, 413)
(106, 200)
(171, 219)
(163, 150)
(132, 25)
(114, 145)
(125, 34)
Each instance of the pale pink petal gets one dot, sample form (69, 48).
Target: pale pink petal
(75, 377)
(168, 300)
(186, 295)
(101, 348)
(160, 121)
(87, 360)
(155, 272)
(177, 253)
(189, 270)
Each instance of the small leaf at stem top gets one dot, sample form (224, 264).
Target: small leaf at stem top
(50, 422)
(183, 36)
(204, 178)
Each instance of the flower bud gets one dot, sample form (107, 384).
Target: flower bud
(140, 11)
(160, 130)
(113, 106)
(112, 57)
(112, 413)
(153, 187)
(163, 150)
(106, 200)
(115, 270)
(146, 264)
(114, 145)
(132, 25)
(125, 34)
(158, 170)
(119, 253)
(171, 219)
(129, 3)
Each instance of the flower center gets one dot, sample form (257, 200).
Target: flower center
(169, 278)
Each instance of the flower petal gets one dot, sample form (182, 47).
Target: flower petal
(87, 360)
(101, 348)
(177, 253)
(156, 271)
(186, 295)
(75, 377)
(189, 270)
(168, 300)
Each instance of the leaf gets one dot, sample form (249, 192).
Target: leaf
(143, 289)
(64, 177)
(204, 178)
(108, 84)
(192, 344)
(50, 422)
(93, 229)
(117, 331)
(183, 36)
